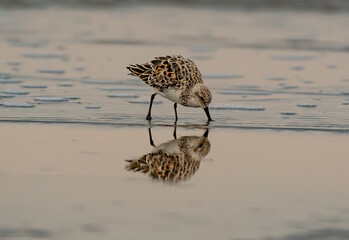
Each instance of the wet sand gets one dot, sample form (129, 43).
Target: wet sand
(274, 165)
(70, 182)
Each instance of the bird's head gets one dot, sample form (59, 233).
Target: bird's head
(200, 96)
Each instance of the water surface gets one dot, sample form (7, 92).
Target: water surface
(73, 182)
(85, 65)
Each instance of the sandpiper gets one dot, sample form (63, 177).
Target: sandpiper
(176, 78)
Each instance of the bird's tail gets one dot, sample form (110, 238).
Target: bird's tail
(142, 71)
(137, 165)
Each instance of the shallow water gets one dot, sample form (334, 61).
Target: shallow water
(87, 62)
(62, 182)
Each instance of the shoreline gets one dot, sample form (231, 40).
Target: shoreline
(255, 5)
(179, 125)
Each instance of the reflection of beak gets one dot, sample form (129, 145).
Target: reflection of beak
(208, 114)
(205, 134)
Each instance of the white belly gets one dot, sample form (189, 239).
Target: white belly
(171, 94)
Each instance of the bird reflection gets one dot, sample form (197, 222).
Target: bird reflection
(172, 161)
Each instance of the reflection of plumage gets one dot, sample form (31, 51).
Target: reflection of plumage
(174, 160)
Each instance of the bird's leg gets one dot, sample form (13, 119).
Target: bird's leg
(175, 109)
(175, 132)
(151, 104)
(151, 138)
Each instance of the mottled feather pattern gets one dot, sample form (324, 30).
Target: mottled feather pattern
(173, 167)
(160, 165)
(170, 71)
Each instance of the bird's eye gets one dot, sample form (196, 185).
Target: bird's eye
(202, 99)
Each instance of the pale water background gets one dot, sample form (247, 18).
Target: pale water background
(277, 168)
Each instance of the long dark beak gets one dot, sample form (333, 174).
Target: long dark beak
(208, 114)
(206, 133)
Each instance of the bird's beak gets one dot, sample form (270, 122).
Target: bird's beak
(208, 114)
(206, 133)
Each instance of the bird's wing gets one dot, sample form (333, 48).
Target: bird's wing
(169, 71)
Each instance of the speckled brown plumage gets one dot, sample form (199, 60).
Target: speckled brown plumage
(170, 71)
(172, 166)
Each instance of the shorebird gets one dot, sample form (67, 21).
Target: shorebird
(176, 78)
(174, 160)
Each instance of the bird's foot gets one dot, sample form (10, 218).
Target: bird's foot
(209, 120)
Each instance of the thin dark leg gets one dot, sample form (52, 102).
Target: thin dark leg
(151, 138)
(175, 108)
(151, 104)
(175, 132)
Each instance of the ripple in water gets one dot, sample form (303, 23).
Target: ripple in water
(276, 78)
(26, 43)
(288, 113)
(51, 99)
(15, 91)
(2, 95)
(57, 72)
(236, 107)
(45, 56)
(74, 98)
(288, 87)
(144, 101)
(331, 66)
(92, 107)
(34, 86)
(123, 95)
(5, 76)
(17, 104)
(14, 64)
(65, 85)
(3, 81)
(122, 89)
(244, 93)
(293, 58)
(307, 105)
(105, 82)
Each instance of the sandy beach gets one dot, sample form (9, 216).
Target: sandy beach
(272, 167)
